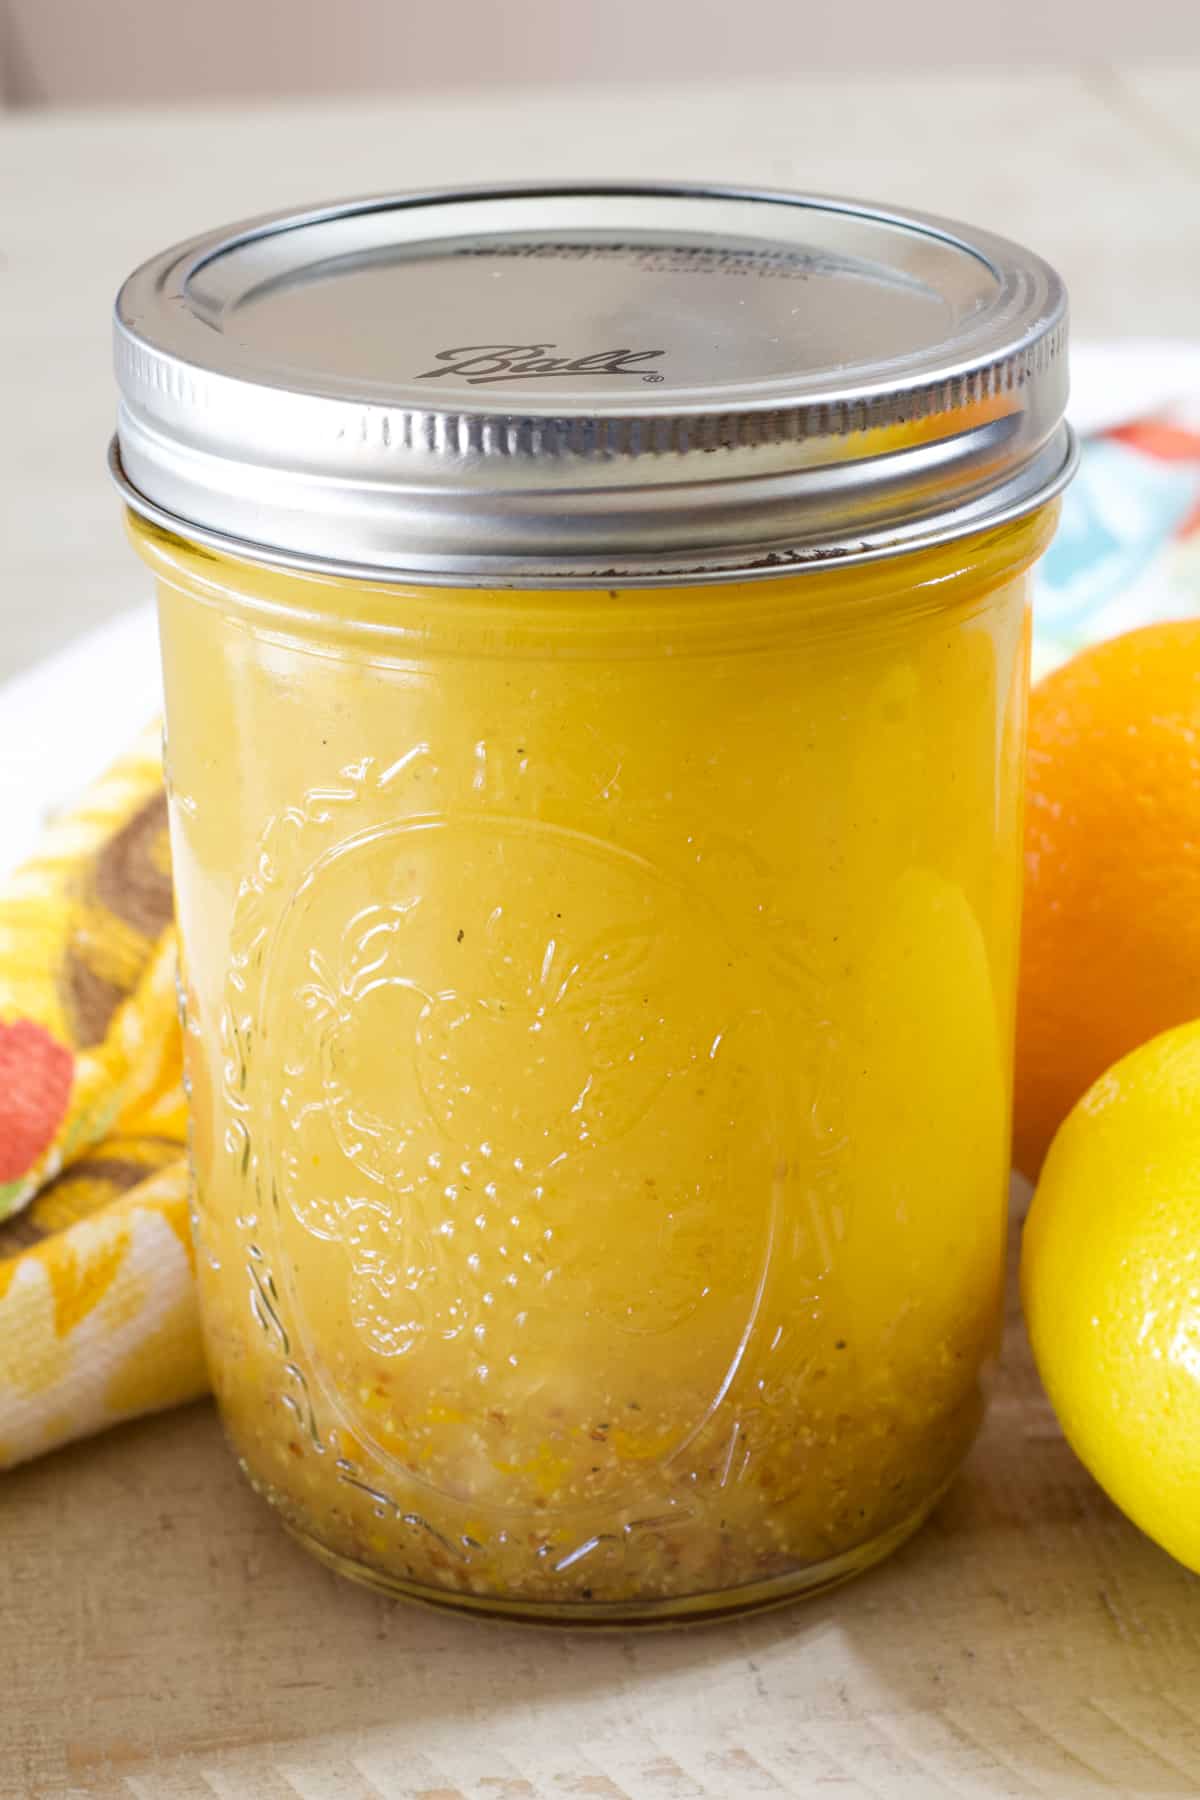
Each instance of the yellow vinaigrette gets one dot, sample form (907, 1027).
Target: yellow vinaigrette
(599, 1010)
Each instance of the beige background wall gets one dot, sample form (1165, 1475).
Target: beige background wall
(81, 51)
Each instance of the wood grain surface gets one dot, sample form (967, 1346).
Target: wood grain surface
(163, 1640)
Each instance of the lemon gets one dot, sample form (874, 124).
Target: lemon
(1110, 1277)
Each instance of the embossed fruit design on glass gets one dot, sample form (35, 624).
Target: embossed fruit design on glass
(598, 985)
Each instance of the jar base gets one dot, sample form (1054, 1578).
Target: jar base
(623, 1615)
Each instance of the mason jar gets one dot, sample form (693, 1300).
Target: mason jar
(594, 628)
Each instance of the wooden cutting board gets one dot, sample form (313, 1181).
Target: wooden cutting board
(163, 1640)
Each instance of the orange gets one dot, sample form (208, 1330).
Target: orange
(1110, 952)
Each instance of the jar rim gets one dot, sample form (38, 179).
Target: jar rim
(839, 382)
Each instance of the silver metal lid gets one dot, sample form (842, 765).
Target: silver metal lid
(578, 384)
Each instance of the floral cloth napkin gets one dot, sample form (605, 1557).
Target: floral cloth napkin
(98, 1316)
(97, 1309)
(1128, 548)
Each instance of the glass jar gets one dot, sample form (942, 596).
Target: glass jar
(598, 916)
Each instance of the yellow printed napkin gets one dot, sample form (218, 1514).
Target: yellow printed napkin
(97, 1308)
